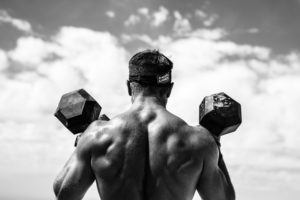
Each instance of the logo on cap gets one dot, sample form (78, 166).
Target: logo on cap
(164, 78)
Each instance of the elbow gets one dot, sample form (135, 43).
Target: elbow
(64, 193)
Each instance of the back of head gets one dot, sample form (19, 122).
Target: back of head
(149, 70)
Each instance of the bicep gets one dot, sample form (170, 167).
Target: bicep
(76, 177)
(212, 183)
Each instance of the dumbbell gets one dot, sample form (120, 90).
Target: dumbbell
(220, 114)
(77, 110)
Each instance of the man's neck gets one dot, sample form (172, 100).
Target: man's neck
(148, 100)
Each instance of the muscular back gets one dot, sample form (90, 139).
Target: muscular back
(146, 153)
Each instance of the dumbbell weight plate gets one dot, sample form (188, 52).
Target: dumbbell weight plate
(220, 114)
(76, 110)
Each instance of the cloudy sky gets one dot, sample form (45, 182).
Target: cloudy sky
(248, 49)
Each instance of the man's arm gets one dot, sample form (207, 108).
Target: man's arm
(76, 176)
(214, 182)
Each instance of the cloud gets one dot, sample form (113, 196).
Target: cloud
(146, 39)
(200, 14)
(144, 11)
(206, 19)
(210, 20)
(160, 16)
(253, 30)
(110, 14)
(31, 51)
(181, 25)
(132, 20)
(20, 24)
(3, 60)
(84, 58)
(155, 19)
(208, 34)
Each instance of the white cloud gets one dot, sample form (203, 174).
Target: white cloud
(110, 14)
(207, 20)
(208, 34)
(155, 19)
(201, 14)
(253, 30)
(85, 57)
(129, 38)
(31, 51)
(147, 39)
(181, 25)
(20, 24)
(144, 11)
(160, 16)
(3, 60)
(210, 20)
(132, 20)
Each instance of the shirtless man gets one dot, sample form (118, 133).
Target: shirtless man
(146, 153)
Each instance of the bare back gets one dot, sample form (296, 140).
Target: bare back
(147, 153)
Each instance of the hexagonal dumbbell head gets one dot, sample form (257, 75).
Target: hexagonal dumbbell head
(76, 110)
(220, 114)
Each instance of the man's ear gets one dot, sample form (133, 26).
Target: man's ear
(170, 89)
(129, 88)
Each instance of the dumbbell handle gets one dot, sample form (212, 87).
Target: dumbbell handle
(102, 117)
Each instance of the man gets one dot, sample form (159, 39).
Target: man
(146, 152)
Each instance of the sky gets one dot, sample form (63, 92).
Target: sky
(247, 49)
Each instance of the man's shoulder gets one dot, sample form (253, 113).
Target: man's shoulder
(203, 135)
(195, 135)
(200, 139)
(97, 134)
(202, 132)
(183, 128)
(205, 143)
(169, 119)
